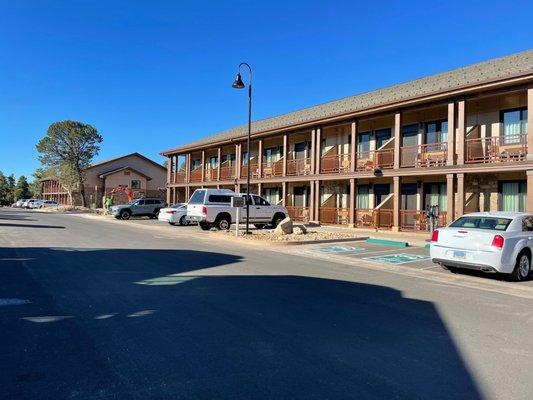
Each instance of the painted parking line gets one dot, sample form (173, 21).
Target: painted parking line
(398, 258)
(339, 249)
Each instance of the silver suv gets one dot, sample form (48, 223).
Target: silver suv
(139, 207)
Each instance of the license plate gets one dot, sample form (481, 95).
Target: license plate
(459, 254)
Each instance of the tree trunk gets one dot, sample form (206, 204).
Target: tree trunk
(82, 188)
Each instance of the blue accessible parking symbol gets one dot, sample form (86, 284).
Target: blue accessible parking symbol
(339, 249)
(396, 259)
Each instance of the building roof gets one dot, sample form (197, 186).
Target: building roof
(135, 154)
(515, 65)
(125, 168)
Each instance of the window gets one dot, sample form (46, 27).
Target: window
(271, 194)
(491, 223)
(436, 132)
(135, 184)
(361, 200)
(435, 195)
(227, 157)
(382, 136)
(527, 224)
(363, 144)
(244, 158)
(259, 201)
(218, 198)
(141, 202)
(213, 162)
(197, 163)
(514, 124)
(410, 135)
(513, 196)
(408, 196)
(381, 191)
(197, 197)
(272, 154)
(302, 150)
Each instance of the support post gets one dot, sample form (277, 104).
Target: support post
(461, 132)
(318, 150)
(450, 204)
(397, 138)
(396, 204)
(529, 207)
(312, 201)
(259, 158)
(460, 204)
(313, 152)
(284, 193)
(188, 168)
(219, 156)
(451, 134)
(238, 160)
(317, 201)
(353, 146)
(285, 144)
(203, 165)
(530, 124)
(351, 221)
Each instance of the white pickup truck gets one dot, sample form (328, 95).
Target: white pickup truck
(212, 208)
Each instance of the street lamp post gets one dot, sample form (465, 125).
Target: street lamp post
(239, 84)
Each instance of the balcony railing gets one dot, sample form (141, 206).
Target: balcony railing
(375, 219)
(335, 163)
(272, 169)
(299, 166)
(196, 175)
(211, 175)
(424, 155)
(254, 170)
(415, 220)
(227, 172)
(298, 213)
(177, 177)
(371, 160)
(333, 215)
(496, 149)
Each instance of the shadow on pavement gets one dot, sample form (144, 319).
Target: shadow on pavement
(32, 226)
(120, 323)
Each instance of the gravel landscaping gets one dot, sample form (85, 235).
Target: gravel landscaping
(311, 235)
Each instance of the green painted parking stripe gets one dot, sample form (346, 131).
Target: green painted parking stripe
(339, 249)
(396, 259)
(384, 242)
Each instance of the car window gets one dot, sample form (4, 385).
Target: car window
(140, 203)
(197, 197)
(259, 201)
(527, 224)
(488, 223)
(218, 198)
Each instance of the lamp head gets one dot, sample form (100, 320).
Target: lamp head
(238, 83)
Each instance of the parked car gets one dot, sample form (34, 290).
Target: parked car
(28, 203)
(488, 242)
(49, 204)
(175, 214)
(35, 204)
(20, 202)
(139, 207)
(212, 208)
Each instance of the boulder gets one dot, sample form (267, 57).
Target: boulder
(299, 230)
(284, 227)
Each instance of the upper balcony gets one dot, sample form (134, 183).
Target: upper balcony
(424, 155)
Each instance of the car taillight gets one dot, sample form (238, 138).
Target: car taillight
(204, 210)
(171, 212)
(435, 236)
(498, 241)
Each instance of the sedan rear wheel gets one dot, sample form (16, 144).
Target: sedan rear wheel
(183, 221)
(522, 267)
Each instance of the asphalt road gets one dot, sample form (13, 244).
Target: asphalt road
(104, 309)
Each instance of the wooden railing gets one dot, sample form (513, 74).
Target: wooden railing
(177, 177)
(370, 160)
(415, 220)
(299, 166)
(211, 175)
(496, 149)
(271, 169)
(370, 218)
(298, 213)
(335, 163)
(196, 175)
(424, 155)
(333, 215)
(254, 171)
(227, 172)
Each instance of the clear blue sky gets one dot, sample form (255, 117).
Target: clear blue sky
(150, 75)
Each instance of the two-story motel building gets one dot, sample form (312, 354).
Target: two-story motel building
(461, 140)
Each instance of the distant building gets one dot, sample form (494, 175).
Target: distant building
(145, 177)
(460, 140)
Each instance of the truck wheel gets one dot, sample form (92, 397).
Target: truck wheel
(125, 215)
(277, 219)
(204, 226)
(223, 223)
(172, 223)
(183, 221)
(522, 267)
(259, 226)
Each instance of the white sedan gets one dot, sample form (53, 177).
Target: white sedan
(175, 214)
(488, 242)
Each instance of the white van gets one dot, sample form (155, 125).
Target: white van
(212, 208)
